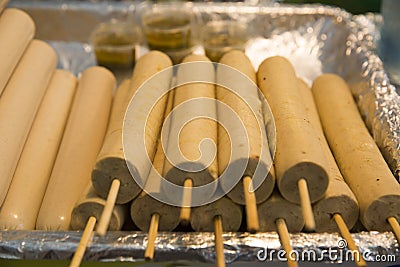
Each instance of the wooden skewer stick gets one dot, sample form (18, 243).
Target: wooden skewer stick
(395, 227)
(251, 206)
(344, 231)
(309, 221)
(186, 201)
(219, 243)
(83, 243)
(285, 241)
(108, 208)
(153, 229)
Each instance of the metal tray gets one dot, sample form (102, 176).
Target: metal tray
(316, 39)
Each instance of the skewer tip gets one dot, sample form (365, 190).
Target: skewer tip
(344, 231)
(394, 223)
(219, 243)
(105, 217)
(153, 229)
(83, 243)
(186, 202)
(309, 221)
(285, 241)
(253, 225)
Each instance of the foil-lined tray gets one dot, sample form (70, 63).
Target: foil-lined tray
(129, 246)
(316, 39)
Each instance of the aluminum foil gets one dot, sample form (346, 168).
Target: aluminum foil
(129, 246)
(316, 39)
(378, 100)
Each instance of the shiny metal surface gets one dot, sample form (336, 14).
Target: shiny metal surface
(316, 39)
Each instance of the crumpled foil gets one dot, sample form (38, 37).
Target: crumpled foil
(378, 101)
(129, 246)
(316, 39)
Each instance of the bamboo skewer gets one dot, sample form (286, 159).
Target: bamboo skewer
(309, 221)
(251, 206)
(153, 229)
(108, 208)
(344, 231)
(285, 241)
(395, 227)
(219, 243)
(84, 242)
(186, 202)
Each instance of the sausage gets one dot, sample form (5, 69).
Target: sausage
(248, 108)
(202, 218)
(276, 207)
(80, 145)
(145, 205)
(16, 31)
(358, 157)
(37, 159)
(119, 104)
(338, 197)
(298, 153)
(186, 156)
(92, 205)
(3, 3)
(111, 162)
(19, 104)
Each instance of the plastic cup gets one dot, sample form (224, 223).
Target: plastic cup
(169, 28)
(220, 37)
(114, 44)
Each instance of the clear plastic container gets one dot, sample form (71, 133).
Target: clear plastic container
(219, 37)
(171, 28)
(114, 44)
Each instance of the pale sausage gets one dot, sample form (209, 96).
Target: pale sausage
(242, 97)
(145, 205)
(202, 218)
(298, 152)
(92, 205)
(357, 155)
(338, 197)
(16, 31)
(19, 104)
(3, 3)
(28, 186)
(191, 151)
(111, 162)
(80, 145)
(276, 207)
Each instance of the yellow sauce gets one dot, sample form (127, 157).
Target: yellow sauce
(217, 45)
(168, 32)
(115, 50)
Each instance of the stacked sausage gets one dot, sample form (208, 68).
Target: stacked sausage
(58, 152)
(49, 133)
